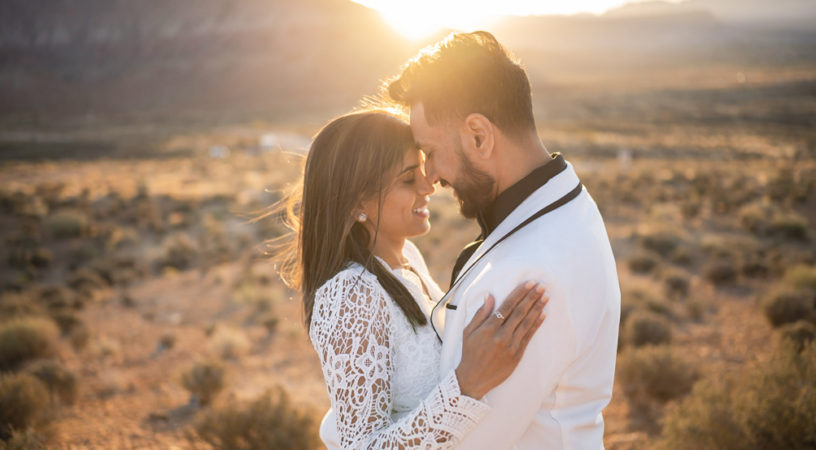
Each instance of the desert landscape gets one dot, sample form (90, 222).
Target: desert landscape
(140, 146)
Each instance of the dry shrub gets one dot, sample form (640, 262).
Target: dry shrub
(754, 267)
(696, 309)
(754, 217)
(785, 305)
(676, 283)
(721, 272)
(798, 334)
(24, 339)
(646, 328)
(229, 343)
(642, 299)
(23, 403)
(660, 239)
(643, 261)
(654, 374)
(122, 237)
(18, 305)
(204, 381)
(28, 439)
(61, 382)
(790, 226)
(270, 421)
(801, 277)
(167, 341)
(26, 252)
(682, 256)
(58, 297)
(179, 251)
(73, 327)
(86, 280)
(769, 406)
(67, 223)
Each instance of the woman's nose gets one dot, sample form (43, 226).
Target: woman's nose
(425, 186)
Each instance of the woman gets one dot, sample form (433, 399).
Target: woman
(367, 295)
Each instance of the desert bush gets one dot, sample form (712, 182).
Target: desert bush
(204, 381)
(654, 374)
(72, 327)
(790, 225)
(754, 217)
(66, 320)
(61, 382)
(270, 321)
(58, 297)
(18, 305)
(661, 240)
(646, 328)
(23, 403)
(229, 343)
(122, 237)
(769, 406)
(720, 272)
(676, 284)
(167, 341)
(695, 309)
(28, 439)
(754, 267)
(682, 256)
(270, 421)
(24, 339)
(643, 262)
(86, 279)
(67, 223)
(785, 305)
(637, 299)
(25, 252)
(801, 277)
(691, 207)
(799, 334)
(179, 251)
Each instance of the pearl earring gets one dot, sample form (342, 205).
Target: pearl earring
(362, 217)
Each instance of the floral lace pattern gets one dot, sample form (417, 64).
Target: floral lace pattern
(383, 377)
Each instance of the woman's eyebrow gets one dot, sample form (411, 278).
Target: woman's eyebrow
(408, 169)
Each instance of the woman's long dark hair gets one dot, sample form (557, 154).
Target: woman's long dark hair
(352, 159)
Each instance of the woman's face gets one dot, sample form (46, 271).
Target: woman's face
(405, 203)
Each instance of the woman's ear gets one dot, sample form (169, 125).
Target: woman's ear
(480, 134)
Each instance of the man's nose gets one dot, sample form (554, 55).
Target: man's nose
(430, 174)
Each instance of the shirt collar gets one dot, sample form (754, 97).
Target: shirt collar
(493, 214)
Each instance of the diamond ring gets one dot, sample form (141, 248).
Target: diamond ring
(499, 315)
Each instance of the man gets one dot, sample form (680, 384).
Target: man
(471, 113)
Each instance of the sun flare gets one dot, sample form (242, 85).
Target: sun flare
(416, 19)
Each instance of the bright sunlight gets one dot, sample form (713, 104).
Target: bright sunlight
(416, 19)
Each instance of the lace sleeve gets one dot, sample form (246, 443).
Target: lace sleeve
(349, 330)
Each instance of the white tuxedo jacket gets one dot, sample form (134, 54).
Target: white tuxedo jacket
(554, 398)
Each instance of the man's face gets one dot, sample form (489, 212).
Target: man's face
(447, 162)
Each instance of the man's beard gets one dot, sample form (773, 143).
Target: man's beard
(473, 187)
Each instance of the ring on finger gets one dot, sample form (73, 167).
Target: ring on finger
(499, 315)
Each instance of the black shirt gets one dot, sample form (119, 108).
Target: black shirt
(493, 214)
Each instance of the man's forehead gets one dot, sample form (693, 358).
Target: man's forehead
(424, 133)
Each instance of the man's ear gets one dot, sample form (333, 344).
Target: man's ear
(480, 134)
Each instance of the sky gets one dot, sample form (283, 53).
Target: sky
(418, 18)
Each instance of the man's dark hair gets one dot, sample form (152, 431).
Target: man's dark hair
(463, 74)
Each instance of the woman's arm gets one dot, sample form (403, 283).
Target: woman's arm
(350, 333)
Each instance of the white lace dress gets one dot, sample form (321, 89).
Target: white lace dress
(383, 377)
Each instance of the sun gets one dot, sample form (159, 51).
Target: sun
(421, 18)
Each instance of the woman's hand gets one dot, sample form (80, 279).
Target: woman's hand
(492, 346)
